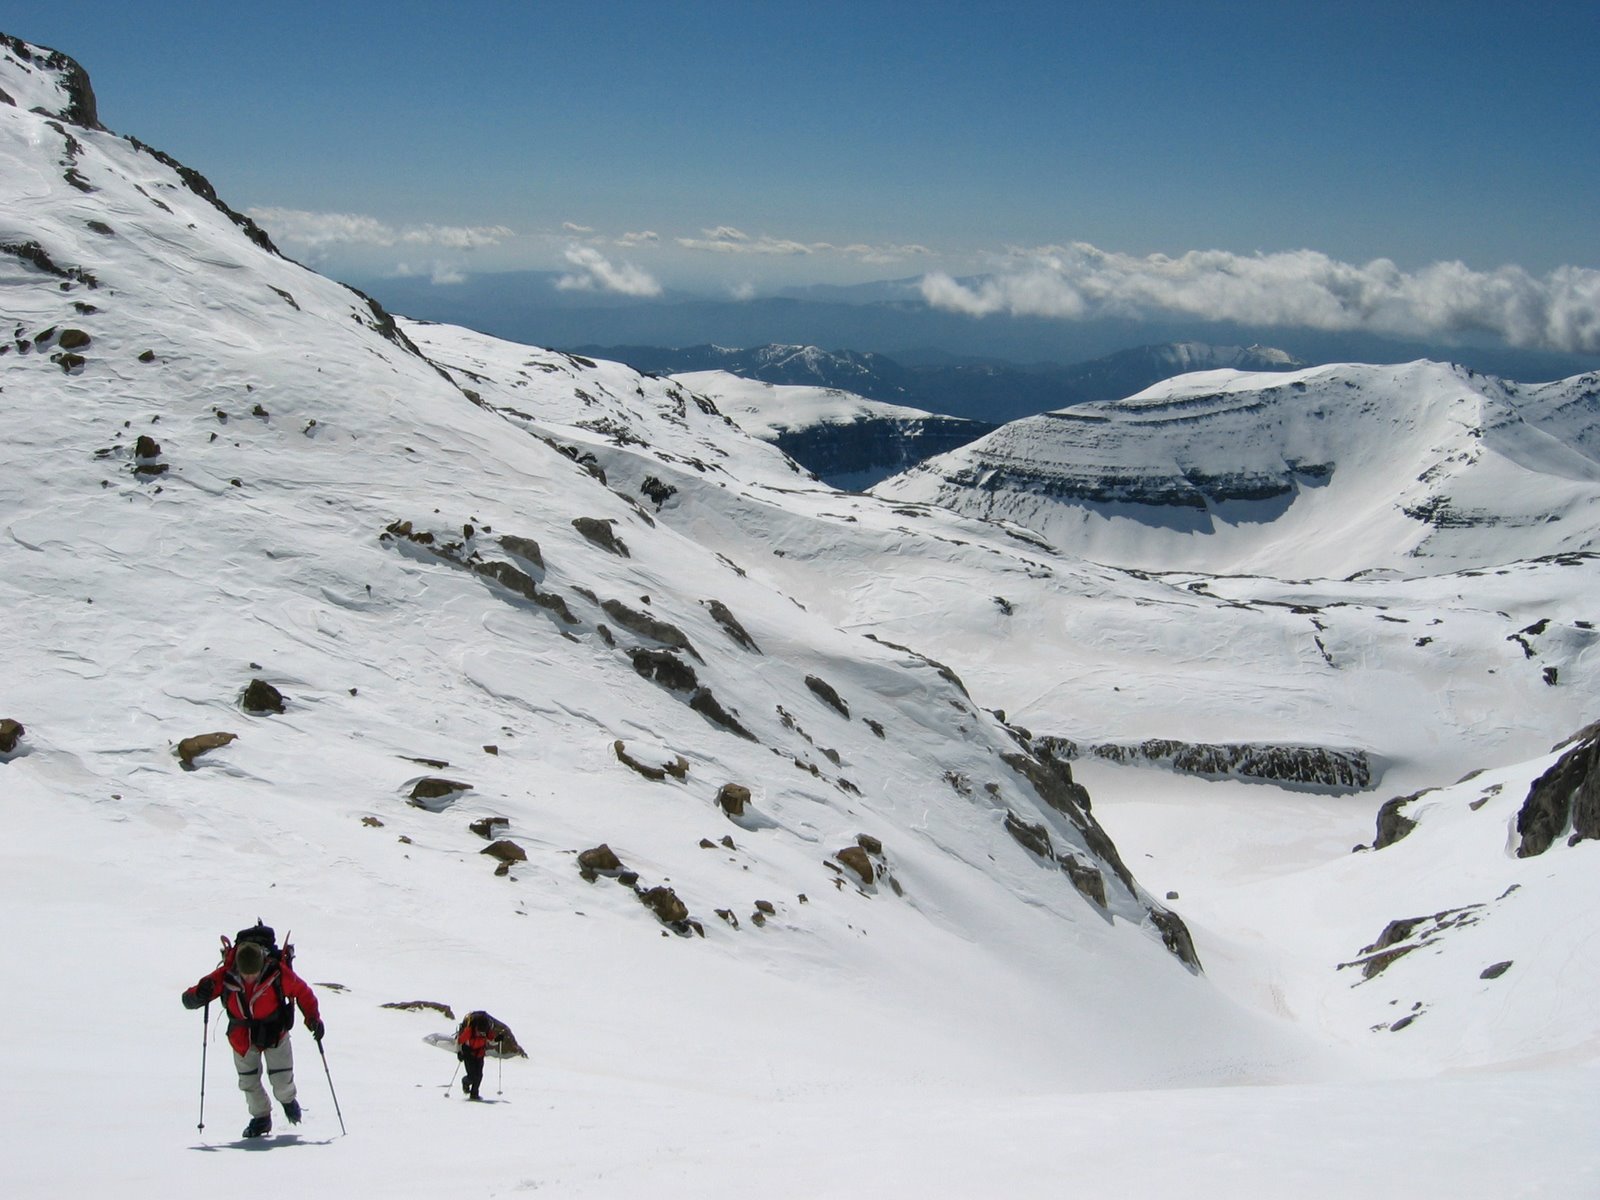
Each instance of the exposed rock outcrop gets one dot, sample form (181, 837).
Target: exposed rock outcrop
(1392, 823)
(1568, 794)
(1292, 766)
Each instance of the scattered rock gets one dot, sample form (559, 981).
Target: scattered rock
(422, 1006)
(707, 705)
(372, 822)
(506, 851)
(436, 794)
(261, 697)
(524, 548)
(731, 626)
(664, 902)
(656, 491)
(600, 532)
(825, 692)
(598, 860)
(858, 861)
(191, 748)
(11, 732)
(665, 668)
(648, 626)
(678, 768)
(732, 798)
(1495, 971)
(489, 828)
(73, 339)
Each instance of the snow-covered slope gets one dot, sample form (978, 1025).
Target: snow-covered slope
(589, 603)
(1329, 471)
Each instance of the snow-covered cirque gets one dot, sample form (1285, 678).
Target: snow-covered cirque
(918, 960)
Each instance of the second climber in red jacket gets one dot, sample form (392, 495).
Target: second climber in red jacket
(259, 991)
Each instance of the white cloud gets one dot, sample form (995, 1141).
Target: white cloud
(441, 273)
(725, 239)
(596, 273)
(318, 231)
(1297, 288)
(645, 237)
(577, 230)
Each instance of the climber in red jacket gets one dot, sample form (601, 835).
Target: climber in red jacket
(473, 1038)
(259, 991)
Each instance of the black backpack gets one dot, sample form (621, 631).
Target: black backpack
(268, 1031)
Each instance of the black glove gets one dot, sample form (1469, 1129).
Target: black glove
(199, 995)
(317, 1030)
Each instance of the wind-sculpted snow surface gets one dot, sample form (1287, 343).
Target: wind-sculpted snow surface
(507, 679)
(1421, 468)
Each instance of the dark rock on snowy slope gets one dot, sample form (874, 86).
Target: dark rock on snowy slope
(1566, 796)
(1313, 767)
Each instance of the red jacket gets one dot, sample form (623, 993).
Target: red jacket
(473, 1042)
(255, 1008)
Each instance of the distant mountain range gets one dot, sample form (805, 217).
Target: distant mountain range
(985, 391)
(888, 317)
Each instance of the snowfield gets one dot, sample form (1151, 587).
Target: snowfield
(914, 956)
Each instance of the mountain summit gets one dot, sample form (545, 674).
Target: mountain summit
(1328, 471)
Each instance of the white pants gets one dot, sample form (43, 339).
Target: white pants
(278, 1062)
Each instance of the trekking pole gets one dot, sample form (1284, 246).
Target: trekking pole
(205, 1036)
(499, 1067)
(450, 1087)
(323, 1055)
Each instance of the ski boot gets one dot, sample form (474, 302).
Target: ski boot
(259, 1126)
(292, 1111)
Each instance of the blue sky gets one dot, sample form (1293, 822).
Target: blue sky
(1073, 152)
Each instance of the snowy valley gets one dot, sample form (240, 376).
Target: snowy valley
(1194, 796)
